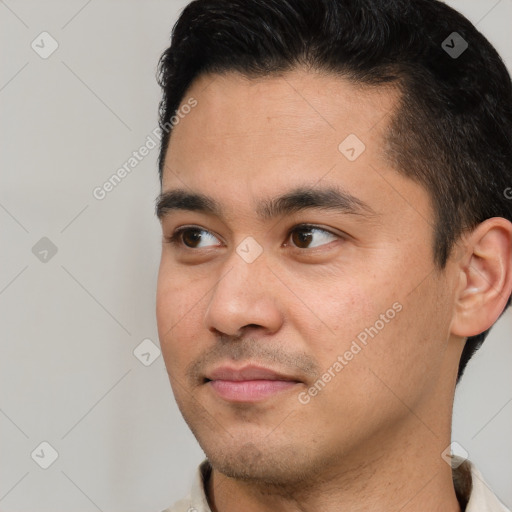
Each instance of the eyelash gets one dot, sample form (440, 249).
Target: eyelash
(175, 238)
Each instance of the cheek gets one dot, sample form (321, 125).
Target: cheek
(402, 354)
(342, 309)
(370, 322)
(179, 306)
(178, 296)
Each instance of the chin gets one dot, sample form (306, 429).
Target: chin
(264, 464)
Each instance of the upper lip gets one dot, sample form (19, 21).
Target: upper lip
(249, 372)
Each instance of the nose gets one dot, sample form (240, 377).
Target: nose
(246, 294)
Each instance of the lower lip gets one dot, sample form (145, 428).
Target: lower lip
(249, 390)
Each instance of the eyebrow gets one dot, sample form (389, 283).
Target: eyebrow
(302, 198)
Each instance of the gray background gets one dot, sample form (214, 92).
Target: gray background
(71, 322)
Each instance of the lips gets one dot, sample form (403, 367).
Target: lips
(248, 373)
(248, 384)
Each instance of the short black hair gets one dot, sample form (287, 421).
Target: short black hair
(452, 130)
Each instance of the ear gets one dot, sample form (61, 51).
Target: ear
(485, 274)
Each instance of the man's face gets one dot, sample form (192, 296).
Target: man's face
(343, 309)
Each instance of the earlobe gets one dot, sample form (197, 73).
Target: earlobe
(485, 278)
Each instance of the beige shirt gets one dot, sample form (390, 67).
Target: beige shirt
(469, 484)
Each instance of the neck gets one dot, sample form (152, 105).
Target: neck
(403, 480)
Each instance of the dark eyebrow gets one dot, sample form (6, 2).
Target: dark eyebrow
(301, 198)
(180, 199)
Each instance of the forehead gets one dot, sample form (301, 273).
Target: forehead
(257, 137)
(298, 107)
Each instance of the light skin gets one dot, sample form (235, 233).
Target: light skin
(372, 438)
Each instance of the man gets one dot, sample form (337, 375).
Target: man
(337, 242)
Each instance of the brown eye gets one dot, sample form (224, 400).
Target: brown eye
(303, 236)
(192, 238)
